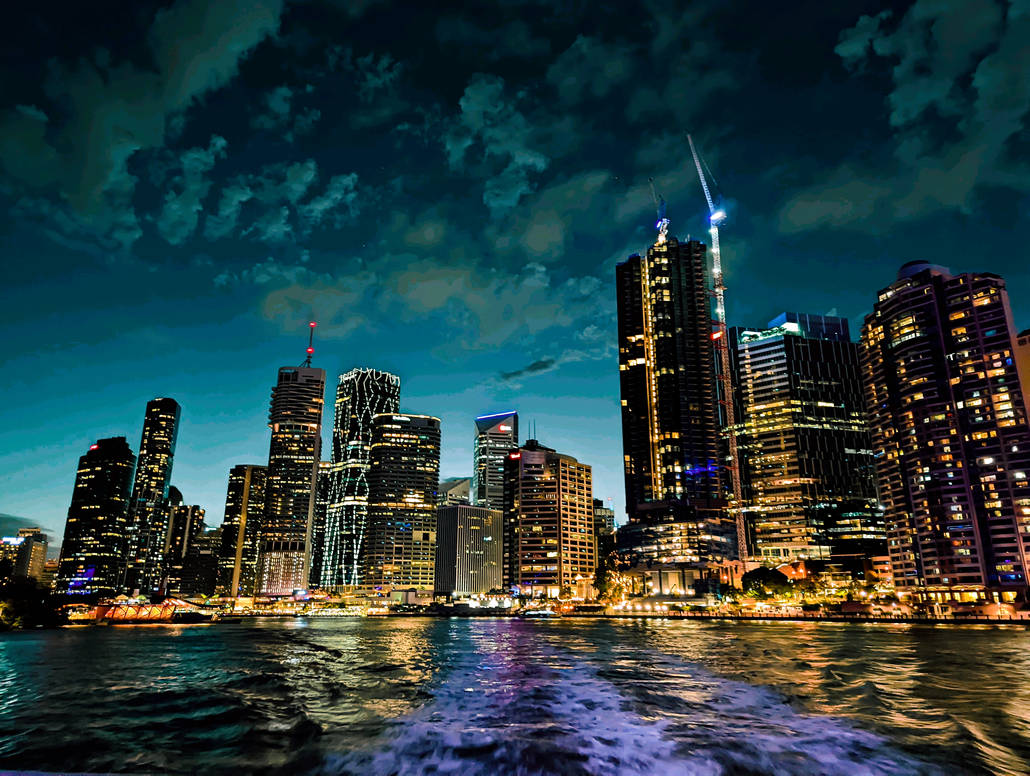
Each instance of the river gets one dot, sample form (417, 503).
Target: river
(507, 696)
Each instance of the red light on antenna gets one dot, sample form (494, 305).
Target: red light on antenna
(310, 351)
(312, 324)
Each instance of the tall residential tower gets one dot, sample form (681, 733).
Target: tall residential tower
(949, 429)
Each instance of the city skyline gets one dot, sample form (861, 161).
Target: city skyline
(402, 263)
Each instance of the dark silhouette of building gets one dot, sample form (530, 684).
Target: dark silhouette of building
(549, 540)
(468, 549)
(811, 490)
(670, 435)
(94, 544)
(185, 523)
(403, 476)
(244, 508)
(361, 394)
(496, 434)
(295, 419)
(146, 513)
(950, 435)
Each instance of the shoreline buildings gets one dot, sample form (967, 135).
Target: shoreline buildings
(244, 508)
(469, 550)
(949, 430)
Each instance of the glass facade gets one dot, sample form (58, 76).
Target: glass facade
(403, 477)
(244, 507)
(496, 436)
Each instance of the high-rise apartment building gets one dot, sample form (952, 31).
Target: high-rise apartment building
(146, 512)
(185, 524)
(244, 509)
(670, 435)
(949, 429)
(469, 546)
(496, 435)
(295, 418)
(361, 394)
(808, 459)
(549, 539)
(403, 475)
(94, 544)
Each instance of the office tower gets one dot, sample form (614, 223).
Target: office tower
(809, 463)
(455, 490)
(318, 524)
(361, 394)
(147, 529)
(604, 528)
(244, 508)
(200, 566)
(549, 541)
(950, 436)
(185, 522)
(670, 436)
(25, 554)
(1022, 355)
(295, 418)
(94, 536)
(469, 546)
(403, 475)
(496, 435)
(49, 575)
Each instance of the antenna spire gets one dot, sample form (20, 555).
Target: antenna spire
(311, 343)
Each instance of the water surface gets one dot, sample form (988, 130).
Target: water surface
(507, 696)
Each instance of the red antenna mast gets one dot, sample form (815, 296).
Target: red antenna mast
(311, 343)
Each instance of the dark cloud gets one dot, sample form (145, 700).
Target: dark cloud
(537, 367)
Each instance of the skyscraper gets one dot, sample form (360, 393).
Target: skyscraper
(244, 509)
(496, 435)
(361, 394)
(455, 490)
(403, 475)
(185, 523)
(322, 488)
(147, 527)
(950, 435)
(23, 555)
(811, 490)
(1022, 355)
(549, 539)
(468, 549)
(295, 418)
(670, 434)
(93, 548)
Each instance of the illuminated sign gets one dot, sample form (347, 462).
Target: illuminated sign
(504, 428)
(515, 456)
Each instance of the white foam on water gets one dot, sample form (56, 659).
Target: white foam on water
(513, 706)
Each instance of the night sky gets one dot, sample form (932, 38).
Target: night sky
(184, 185)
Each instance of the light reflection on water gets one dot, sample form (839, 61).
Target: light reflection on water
(421, 695)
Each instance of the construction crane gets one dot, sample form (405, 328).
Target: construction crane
(716, 215)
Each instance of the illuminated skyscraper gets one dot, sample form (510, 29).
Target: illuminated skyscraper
(146, 514)
(950, 434)
(295, 418)
(808, 462)
(1022, 355)
(94, 542)
(549, 537)
(403, 476)
(185, 523)
(244, 508)
(670, 436)
(496, 435)
(318, 524)
(468, 549)
(361, 394)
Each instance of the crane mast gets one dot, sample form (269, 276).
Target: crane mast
(715, 217)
